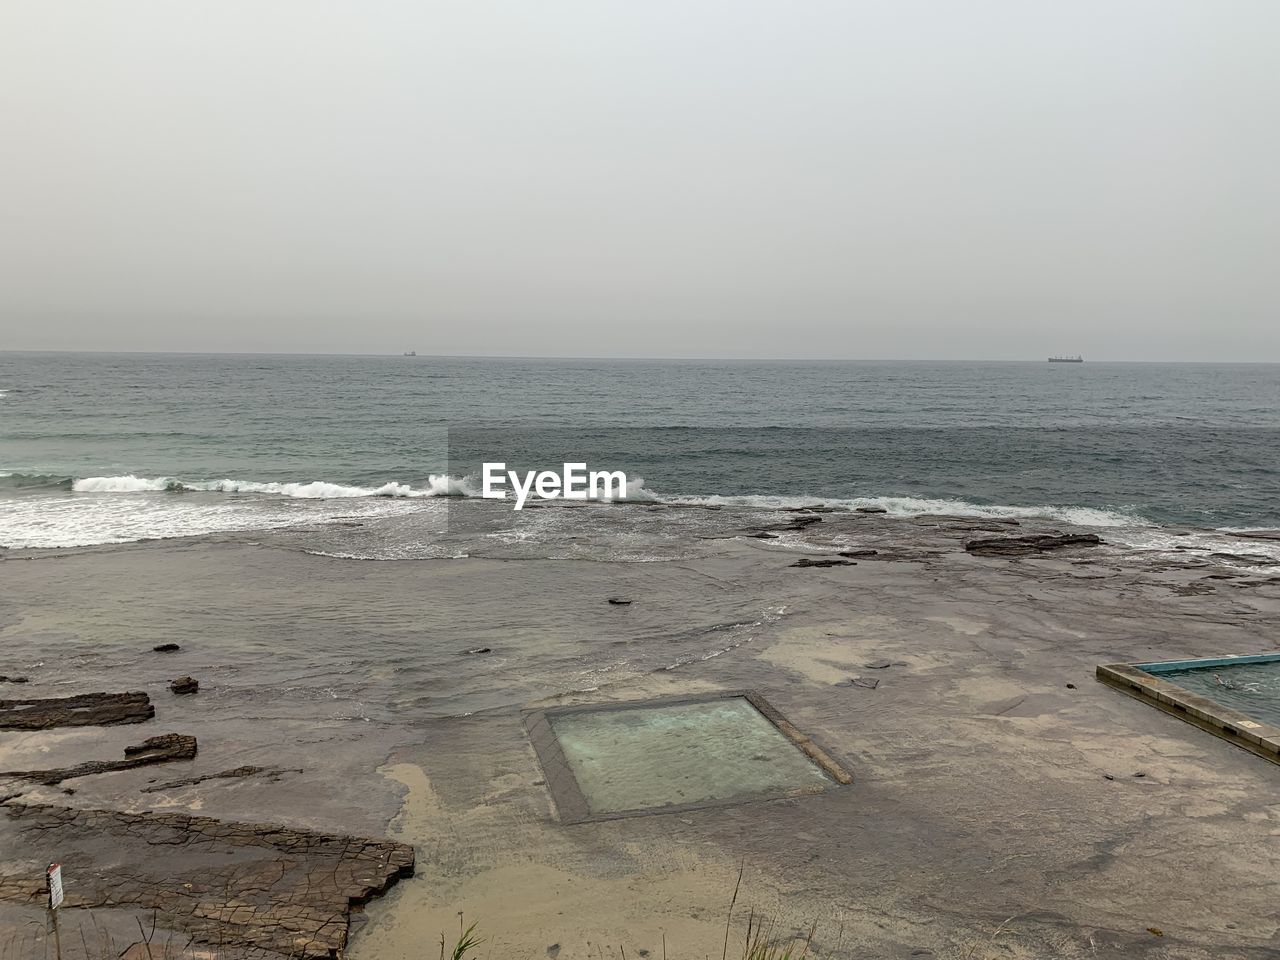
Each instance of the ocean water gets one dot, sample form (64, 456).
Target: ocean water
(110, 448)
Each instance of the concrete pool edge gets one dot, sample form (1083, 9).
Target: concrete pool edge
(1141, 681)
(571, 804)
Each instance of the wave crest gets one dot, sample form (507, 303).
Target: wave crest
(440, 485)
(923, 506)
(125, 484)
(20, 481)
(437, 486)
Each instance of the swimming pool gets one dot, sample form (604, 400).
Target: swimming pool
(624, 759)
(1235, 698)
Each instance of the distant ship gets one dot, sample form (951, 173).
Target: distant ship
(411, 353)
(1076, 359)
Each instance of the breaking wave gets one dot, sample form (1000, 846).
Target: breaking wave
(129, 484)
(53, 510)
(439, 485)
(436, 486)
(918, 506)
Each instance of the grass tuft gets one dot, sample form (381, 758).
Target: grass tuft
(467, 945)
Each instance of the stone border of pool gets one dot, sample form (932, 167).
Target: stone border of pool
(1231, 725)
(571, 804)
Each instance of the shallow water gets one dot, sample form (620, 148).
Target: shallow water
(284, 635)
(651, 757)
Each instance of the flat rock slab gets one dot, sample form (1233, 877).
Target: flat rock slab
(1026, 546)
(168, 951)
(1248, 559)
(237, 773)
(162, 749)
(86, 710)
(793, 525)
(254, 890)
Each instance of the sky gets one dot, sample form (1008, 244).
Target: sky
(988, 179)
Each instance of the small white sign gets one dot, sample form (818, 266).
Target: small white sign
(55, 885)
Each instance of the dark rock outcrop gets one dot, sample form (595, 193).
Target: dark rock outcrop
(86, 710)
(4, 679)
(162, 749)
(249, 889)
(166, 648)
(825, 562)
(185, 685)
(620, 601)
(871, 509)
(237, 773)
(993, 523)
(1027, 546)
(1246, 559)
(793, 525)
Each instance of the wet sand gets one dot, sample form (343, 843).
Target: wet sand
(996, 808)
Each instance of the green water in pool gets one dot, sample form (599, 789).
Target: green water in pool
(643, 757)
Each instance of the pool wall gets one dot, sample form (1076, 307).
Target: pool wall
(1142, 681)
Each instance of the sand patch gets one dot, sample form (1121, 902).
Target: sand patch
(830, 653)
(525, 906)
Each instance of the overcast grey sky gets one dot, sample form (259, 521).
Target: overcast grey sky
(945, 179)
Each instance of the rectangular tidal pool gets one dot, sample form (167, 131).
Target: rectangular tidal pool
(1236, 698)
(641, 758)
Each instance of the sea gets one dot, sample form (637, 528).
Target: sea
(375, 451)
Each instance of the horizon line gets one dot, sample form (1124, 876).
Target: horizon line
(615, 359)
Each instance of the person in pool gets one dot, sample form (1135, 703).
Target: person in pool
(1241, 687)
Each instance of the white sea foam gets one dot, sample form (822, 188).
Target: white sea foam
(1189, 544)
(76, 521)
(636, 490)
(437, 486)
(125, 484)
(916, 506)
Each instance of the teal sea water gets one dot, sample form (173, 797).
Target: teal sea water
(99, 448)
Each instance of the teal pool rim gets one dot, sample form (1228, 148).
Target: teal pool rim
(570, 802)
(1144, 682)
(1168, 666)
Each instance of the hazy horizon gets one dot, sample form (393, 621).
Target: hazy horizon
(755, 180)
(629, 359)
